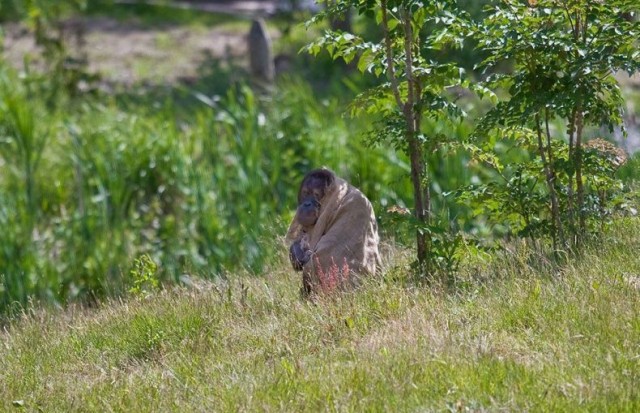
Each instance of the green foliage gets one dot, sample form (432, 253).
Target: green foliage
(144, 276)
(630, 171)
(22, 142)
(22, 137)
(564, 56)
(516, 201)
(205, 184)
(157, 13)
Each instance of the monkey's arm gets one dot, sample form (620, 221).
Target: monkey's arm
(299, 255)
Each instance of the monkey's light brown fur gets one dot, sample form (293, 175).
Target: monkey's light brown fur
(345, 232)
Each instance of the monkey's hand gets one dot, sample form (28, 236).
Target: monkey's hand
(299, 255)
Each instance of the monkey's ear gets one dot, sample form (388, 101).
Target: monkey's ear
(330, 176)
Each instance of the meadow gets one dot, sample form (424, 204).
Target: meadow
(516, 336)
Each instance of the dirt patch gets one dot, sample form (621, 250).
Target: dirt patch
(248, 8)
(128, 52)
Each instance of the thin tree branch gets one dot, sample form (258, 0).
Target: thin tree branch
(389, 51)
(558, 233)
(573, 27)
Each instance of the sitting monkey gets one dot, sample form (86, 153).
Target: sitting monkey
(334, 230)
(313, 188)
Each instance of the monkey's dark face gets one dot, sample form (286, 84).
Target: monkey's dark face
(308, 211)
(311, 193)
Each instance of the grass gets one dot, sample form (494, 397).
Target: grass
(515, 339)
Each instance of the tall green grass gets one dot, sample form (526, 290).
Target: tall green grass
(90, 185)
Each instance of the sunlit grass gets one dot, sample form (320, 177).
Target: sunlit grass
(563, 340)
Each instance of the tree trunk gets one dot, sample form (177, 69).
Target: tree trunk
(579, 185)
(558, 233)
(421, 204)
(570, 192)
(411, 111)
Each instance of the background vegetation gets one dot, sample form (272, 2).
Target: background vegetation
(200, 175)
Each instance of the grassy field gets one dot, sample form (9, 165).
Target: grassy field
(515, 336)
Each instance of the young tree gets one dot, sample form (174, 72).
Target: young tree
(565, 54)
(65, 64)
(415, 88)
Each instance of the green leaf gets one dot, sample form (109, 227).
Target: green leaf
(364, 61)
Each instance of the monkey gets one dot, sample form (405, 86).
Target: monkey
(312, 190)
(334, 236)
